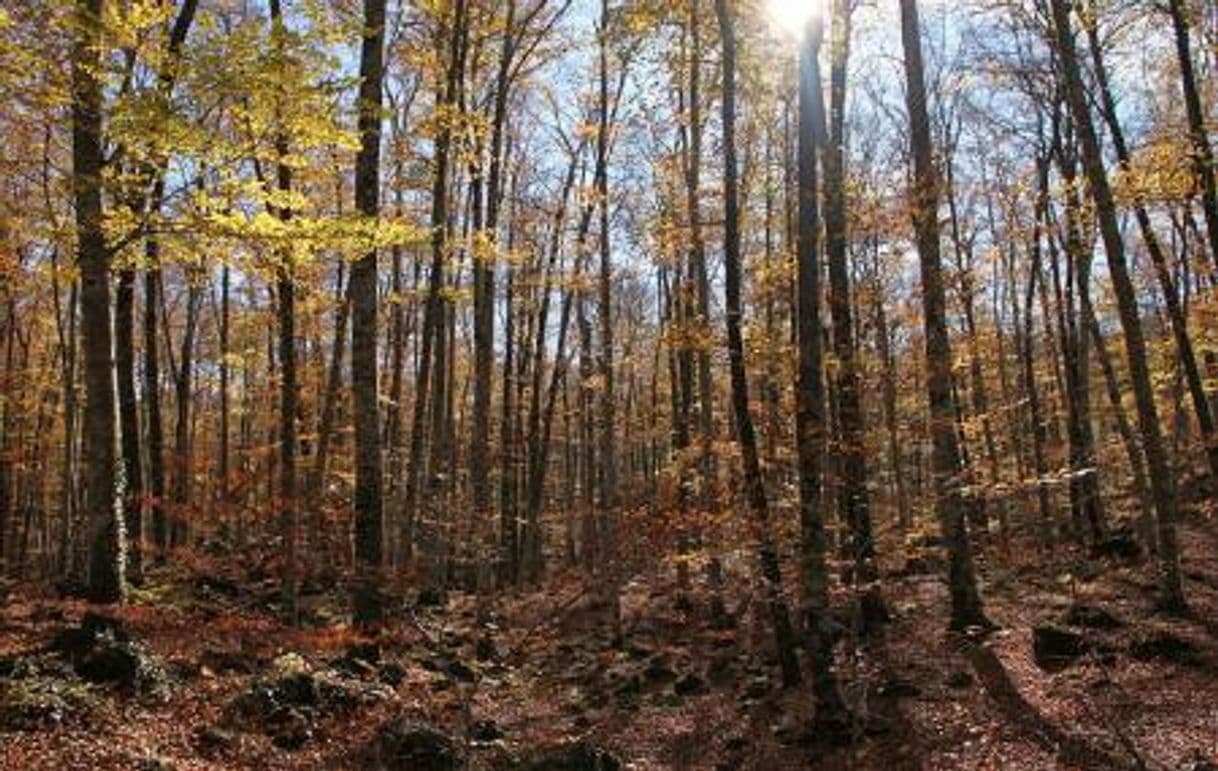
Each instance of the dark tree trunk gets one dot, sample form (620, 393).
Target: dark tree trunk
(966, 603)
(605, 356)
(1203, 154)
(369, 520)
(851, 451)
(152, 397)
(105, 534)
(1161, 479)
(754, 484)
(1179, 325)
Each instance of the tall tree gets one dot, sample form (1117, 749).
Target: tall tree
(289, 390)
(1162, 486)
(810, 424)
(754, 485)
(363, 287)
(102, 496)
(604, 363)
(1203, 154)
(851, 452)
(966, 610)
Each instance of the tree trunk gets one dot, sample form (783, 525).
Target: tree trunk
(369, 522)
(851, 451)
(1203, 154)
(102, 495)
(966, 603)
(1161, 479)
(1179, 325)
(754, 484)
(124, 360)
(605, 359)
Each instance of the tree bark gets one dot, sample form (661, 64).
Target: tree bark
(754, 485)
(369, 520)
(851, 450)
(1161, 479)
(966, 602)
(103, 503)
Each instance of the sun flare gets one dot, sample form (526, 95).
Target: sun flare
(792, 16)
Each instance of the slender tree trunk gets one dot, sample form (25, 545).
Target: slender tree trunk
(1179, 325)
(329, 404)
(1137, 464)
(183, 392)
(369, 519)
(697, 258)
(605, 355)
(484, 303)
(289, 391)
(223, 469)
(540, 421)
(1161, 479)
(152, 397)
(1203, 154)
(966, 607)
(753, 482)
(124, 360)
(851, 452)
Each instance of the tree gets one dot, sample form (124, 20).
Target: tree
(967, 610)
(754, 485)
(103, 502)
(810, 400)
(851, 452)
(1162, 487)
(289, 390)
(1203, 154)
(363, 288)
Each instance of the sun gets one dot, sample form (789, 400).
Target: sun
(792, 16)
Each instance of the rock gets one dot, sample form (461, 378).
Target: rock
(629, 689)
(721, 670)
(359, 660)
(453, 668)
(898, 688)
(485, 731)
(1164, 646)
(431, 597)
(290, 728)
(485, 650)
(284, 704)
(757, 687)
(406, 744)
(959, 679)
(1120, 543)
(658, 671)
(392, 673)
(35, 701)
(153, 762)
(1054, 648)
(102, 652)
(210, 738)
(578, 756)
(1090, 617)
(689, 685)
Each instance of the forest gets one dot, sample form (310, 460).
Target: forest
(591, 385)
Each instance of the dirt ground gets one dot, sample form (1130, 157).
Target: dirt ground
(532, 670)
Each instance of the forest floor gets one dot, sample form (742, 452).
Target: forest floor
(196, 673)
